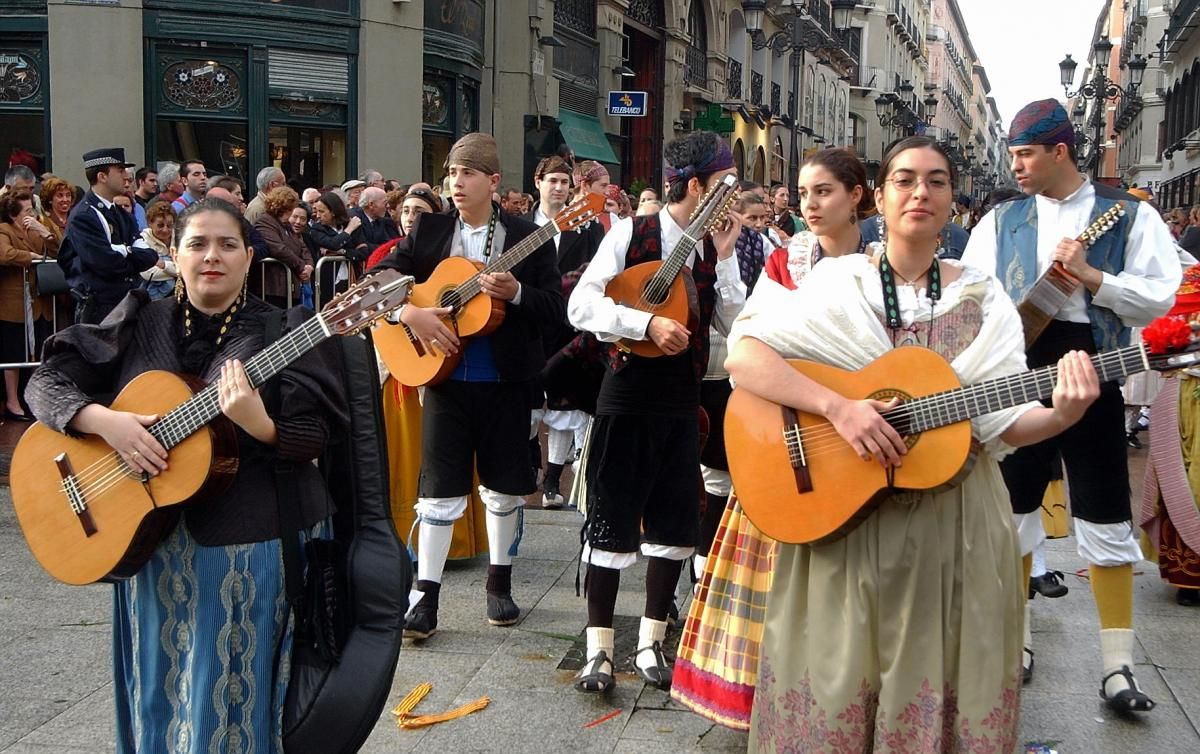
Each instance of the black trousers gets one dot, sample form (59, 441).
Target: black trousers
(1093, 451)
(475, 425)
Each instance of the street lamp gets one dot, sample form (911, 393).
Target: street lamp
(1099, 88)
(896, 110)
(800, 34)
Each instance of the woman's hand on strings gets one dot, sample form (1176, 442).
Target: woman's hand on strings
(125, 433)
(242, 403)
(861, 424)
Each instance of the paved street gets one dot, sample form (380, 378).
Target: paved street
(56, 693)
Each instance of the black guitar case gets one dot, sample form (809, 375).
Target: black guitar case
(332, 705)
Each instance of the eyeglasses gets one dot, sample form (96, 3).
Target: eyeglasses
(936, 184)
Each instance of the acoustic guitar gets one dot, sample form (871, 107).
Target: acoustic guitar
(664, 288)
(800, 482)
(87, 516)
(455, 283)
(1050, 292)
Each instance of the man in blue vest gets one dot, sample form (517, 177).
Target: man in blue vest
(1128, 277)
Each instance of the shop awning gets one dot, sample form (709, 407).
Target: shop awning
(586, 137)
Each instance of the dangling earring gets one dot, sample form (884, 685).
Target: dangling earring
(179, 290)
(245, 285)
(882, 228)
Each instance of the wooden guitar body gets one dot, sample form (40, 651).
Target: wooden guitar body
(411, 364)
(843, 488)
(680, 303)
(129, 516)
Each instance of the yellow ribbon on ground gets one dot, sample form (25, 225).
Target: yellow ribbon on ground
(405, 719)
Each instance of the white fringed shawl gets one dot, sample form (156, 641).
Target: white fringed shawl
(834, 317)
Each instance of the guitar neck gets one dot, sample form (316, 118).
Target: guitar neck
(679, 255)
(183, 420)
(471, 288)
(961, 404)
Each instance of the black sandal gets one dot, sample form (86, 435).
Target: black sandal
(657, 675)
(1131, 699)
(592, 679)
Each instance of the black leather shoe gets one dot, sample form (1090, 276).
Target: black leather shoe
(1131, 439)
(501, 610)
(1026, 670)
(12, 416)
(421, 622)
(1049, 584)
(1188, 597)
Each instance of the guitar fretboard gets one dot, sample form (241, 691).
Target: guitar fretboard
(180, 422)
(961, 404)
(470, 287)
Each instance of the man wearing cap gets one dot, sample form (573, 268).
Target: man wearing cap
(479, 418)
(102, 255)
(643, 484)
(564, 425)
(1128, 277)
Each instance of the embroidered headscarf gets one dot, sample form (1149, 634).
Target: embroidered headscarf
(1042, 122)
(476, 151)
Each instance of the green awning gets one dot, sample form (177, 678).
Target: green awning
(586, 137)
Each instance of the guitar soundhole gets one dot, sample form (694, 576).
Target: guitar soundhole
(655, 293)
(910, 438)
(450, 298)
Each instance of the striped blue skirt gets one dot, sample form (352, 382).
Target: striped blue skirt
(202, 642)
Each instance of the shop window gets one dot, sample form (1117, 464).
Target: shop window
(221, 146)
(202, 85)
(22, 108)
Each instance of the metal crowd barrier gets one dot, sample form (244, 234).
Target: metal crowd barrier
(33, 359)
(262, 289)
(338, 264)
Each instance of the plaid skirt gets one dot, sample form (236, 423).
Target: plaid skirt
(716, 667)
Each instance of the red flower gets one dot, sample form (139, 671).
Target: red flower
(1167, 334)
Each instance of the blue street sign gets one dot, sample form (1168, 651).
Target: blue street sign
(627, 104)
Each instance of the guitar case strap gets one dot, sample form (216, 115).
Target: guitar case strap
(287, 491)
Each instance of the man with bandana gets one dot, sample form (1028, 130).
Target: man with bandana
(642, 480)
(1128, 277)
(479, 417)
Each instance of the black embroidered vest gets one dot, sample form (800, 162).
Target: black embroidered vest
(646, 246)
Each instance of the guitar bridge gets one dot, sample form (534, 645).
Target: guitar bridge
(70, 488)
(794, 442)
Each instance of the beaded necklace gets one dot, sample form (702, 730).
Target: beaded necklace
(232, 310)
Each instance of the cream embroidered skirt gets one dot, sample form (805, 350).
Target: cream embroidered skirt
(903, 636)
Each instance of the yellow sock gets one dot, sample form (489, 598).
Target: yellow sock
(1112, 588)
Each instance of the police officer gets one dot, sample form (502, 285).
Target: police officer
(101, 252)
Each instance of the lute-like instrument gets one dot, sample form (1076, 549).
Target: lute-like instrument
(800, 482)
(1051, 291)
(455, 283)
(88, 516)
(665, 288)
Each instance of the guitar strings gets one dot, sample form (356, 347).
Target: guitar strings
(175, 421)
(927, 406)
(185, 419)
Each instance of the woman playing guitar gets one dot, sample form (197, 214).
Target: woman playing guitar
(923, 599)
(207, 610)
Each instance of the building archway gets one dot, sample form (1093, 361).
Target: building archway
(739, 159)
(760, 166)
